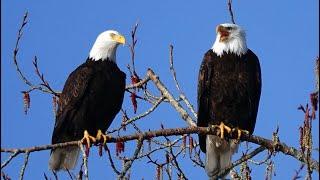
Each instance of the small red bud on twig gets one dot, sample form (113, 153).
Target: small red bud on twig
(134, 101)
(159, 172)
(119, 148)
(26, 101)
(123, 123)
(190, 144)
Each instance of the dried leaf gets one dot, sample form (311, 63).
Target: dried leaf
(190, 144)
(119, 148)
(159, 172)
(134, 101)
(26, 101)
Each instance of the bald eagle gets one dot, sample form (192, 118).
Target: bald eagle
(91, 98)
(228, 95)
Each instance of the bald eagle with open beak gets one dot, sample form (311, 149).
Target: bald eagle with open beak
(229, 89)
(91, 98)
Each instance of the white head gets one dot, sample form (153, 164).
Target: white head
(230, 38)
(106, 45)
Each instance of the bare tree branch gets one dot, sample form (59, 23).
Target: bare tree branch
(128, 164)
(185, 116)
(269, 144)
(174, 75)
(14, 154)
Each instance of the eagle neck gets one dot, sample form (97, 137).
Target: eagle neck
(104, 52)
(235, 45)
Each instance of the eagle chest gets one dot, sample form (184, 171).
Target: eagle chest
(230, 76)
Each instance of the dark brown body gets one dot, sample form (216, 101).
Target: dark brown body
(91, 98)
(228, 91)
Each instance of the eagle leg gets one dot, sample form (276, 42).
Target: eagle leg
(222, 128)
(240, 132)
(87, 138)
(100, 136)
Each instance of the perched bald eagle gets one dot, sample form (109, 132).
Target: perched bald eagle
(228, 95)
(91, 98)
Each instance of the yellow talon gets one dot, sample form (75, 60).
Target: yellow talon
(239, 132)
(100, 135)
(87, 138)
(222, 127)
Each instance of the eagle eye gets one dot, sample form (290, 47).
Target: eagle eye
(112, 34)
(229, 28)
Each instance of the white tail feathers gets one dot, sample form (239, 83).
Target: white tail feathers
(219, 153)
(64, 158)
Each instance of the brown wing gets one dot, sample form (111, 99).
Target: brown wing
(71, 96)
(204, 83)
(254, 89)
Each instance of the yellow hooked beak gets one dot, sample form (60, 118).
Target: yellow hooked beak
(119, 38)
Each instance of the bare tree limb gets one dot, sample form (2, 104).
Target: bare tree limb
(184, 114)
(174, 75)
(269, 144)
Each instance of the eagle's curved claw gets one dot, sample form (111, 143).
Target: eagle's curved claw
(87, 139)
(240, 132)
(222, 128)
(100, 136)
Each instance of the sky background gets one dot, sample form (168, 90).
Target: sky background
(283, 34)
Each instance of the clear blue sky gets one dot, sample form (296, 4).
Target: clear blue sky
(284, 35)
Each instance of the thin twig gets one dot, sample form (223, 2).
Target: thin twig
(24, 166)
(189, 105)
(110, 159)
(297, 174)
(43, 88)
(139, 84)
(140, 116)
(174, 75)
(184, 114)
(14, 154)
(128, 164)
(85, 162)
(173, 71)
(133, 45)
(230, 11)
(261, 162)
(174, 158)
(41, 77)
